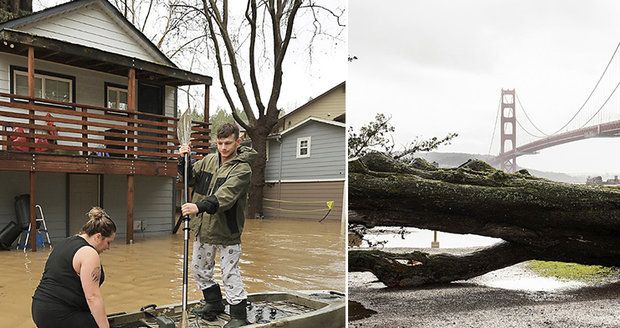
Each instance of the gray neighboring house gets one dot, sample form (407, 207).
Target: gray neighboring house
(306, 158)
(84, 72)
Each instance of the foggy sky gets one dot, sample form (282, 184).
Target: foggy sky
(439, 66)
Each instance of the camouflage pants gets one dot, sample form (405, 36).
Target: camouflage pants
(203, 267)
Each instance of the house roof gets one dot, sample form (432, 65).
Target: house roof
(61, 9)
(54, 50)
(312, 119)
(312, 101)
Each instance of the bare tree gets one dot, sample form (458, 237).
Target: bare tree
(10, 9)
(249, 43)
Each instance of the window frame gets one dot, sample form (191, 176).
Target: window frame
(299, 148)
(118, 87)
(18, 70)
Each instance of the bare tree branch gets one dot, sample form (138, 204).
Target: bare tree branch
(148, 13)
(250, 15)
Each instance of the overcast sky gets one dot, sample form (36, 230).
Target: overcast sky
(439, 66)
(304, 77)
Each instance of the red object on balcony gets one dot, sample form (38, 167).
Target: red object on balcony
(19, 139)
(51, 132)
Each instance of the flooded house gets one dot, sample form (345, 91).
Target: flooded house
(88, 113)
(306, 156)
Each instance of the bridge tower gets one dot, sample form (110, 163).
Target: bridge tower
(508, 130)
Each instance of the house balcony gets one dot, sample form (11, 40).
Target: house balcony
(50, 136)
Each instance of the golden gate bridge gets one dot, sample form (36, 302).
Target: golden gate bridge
(597, 117)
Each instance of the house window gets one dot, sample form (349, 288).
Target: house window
(303, 147)
(45, 86)
(116, 97)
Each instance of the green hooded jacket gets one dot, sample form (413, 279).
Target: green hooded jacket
(224, 188)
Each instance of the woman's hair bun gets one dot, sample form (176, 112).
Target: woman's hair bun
(96, 213)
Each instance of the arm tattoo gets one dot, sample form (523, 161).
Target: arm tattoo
(96, 273)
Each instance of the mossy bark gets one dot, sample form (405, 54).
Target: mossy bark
(538, 218)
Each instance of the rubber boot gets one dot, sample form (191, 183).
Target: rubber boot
(238, 315)
(213, 303)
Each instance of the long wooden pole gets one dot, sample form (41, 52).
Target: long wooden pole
(131, 107)
(131, 100)
(130, 203)
(33, 214)
(31, 86)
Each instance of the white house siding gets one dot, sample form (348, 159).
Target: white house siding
(327, 154)
(89, 86)
(328, 107)
(303, 200)
(153, 203)
(169, 101)
(51, 195)
(91, 26)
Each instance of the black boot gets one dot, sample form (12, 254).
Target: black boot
(238, 315)
(213, 303)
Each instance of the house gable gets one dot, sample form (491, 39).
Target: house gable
(91, 23)
(327, 106)
(327, 154)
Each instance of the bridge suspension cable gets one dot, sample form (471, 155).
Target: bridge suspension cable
(499, 109)
(528, 117)
(528, 132)
(591, 92)
(603, 105)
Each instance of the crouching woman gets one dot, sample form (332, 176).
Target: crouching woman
(68, 294)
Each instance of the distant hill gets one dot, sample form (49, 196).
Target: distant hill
(456, 159)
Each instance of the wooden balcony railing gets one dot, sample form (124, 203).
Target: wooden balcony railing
(41, 125)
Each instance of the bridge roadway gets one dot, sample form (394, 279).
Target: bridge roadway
(604, 130)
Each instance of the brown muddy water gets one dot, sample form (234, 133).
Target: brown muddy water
(278, 255)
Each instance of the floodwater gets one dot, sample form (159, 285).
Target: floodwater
(278, 255)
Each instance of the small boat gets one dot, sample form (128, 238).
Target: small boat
(305, 309)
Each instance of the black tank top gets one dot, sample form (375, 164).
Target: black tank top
(60, 284)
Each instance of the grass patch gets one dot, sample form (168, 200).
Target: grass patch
(570, 271)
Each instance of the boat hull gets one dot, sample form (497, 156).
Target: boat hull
(325, 309)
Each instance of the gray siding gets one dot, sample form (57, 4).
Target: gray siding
(51, 195)
(303, 200)
(327, 154)
(152, 203)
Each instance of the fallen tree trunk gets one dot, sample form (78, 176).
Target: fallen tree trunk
(538, 218)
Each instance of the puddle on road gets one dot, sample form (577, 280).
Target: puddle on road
(393, 237)
(519, 277)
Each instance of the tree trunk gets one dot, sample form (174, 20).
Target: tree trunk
(538, 219)
(255, 199)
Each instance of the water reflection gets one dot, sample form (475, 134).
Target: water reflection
(393, 237)
(277, 255)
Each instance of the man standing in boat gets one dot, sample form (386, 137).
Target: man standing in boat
(221, 182)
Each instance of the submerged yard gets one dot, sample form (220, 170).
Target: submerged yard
(277, 255)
